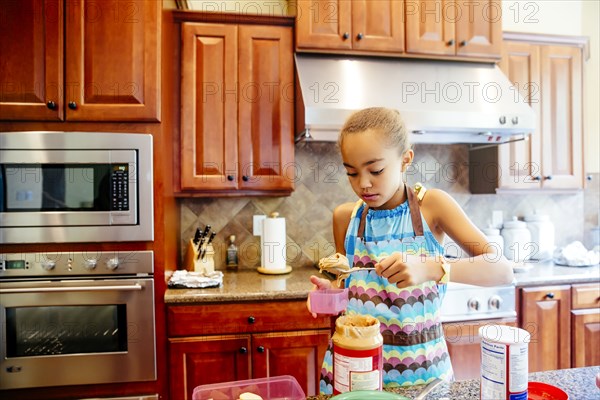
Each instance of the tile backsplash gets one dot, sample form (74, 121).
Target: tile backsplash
(322, 184)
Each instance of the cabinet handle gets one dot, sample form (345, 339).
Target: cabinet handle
(537, 178)
(243, 350)
(230, 177)
(549, 295)
(72, 105)
(51, 105)
(548, 178)
(260, 349)
(463, 43)
(450, 42)
(251, 319)
(589, 177)
(345, 36)
(245, 178)
(359, 36)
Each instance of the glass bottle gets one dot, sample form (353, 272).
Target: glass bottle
(232, 254)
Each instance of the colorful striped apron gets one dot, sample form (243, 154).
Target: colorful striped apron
(414, 348)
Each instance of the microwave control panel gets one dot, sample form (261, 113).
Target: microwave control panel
(120, 188)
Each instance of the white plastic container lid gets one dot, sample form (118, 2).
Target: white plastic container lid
(491, 231)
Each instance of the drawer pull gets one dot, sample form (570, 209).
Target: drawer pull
(260, 349)
(251, 319)
(549, 295)
(243, 350)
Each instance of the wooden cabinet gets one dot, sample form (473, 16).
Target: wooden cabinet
(454, 28)
(464, 346)
(80, 60)
(549, 79)
(585, 325)
(362, 25)
(226, 342)
(545, 314)
(237, 101)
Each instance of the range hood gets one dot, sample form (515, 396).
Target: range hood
(441, 102)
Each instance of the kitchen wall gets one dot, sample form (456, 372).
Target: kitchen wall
(321, 184)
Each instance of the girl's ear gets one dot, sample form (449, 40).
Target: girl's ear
(407, 158)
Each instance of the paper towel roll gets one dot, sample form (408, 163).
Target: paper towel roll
(273, 244)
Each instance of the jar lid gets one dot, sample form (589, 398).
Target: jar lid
(491, 231)
(535, 217)
(515, 224)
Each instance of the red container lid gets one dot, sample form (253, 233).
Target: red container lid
(544, 391)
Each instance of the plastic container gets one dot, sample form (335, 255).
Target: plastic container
(357, 354)
(329, 301)
(273, 388)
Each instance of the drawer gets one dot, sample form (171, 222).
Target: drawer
(586, 295)
(215, 319)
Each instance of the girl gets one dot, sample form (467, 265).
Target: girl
(399, 231)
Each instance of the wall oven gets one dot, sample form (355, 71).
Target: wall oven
(76, 318)
(75, 187)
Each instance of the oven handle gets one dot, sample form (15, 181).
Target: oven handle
(136, 287)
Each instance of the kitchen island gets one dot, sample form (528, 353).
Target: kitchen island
(579, 383)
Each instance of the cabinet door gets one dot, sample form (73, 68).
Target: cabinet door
(205, 360)
(586, 337)
(520, 162)
(562, 160)
(266, 106)
(31, 60)
(430, 26)
(377, 25)
(112, 60)
(464, 346)
(208, 106)
(479, 28)
(545, 313)
(324, 24)
(299, 354)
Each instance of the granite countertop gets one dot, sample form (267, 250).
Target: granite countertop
(249, 285)
(579, 383)
(548, 273)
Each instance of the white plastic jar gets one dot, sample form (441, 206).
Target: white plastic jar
(542, 235)
(518, 246)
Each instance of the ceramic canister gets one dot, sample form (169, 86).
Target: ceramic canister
(542, 235)
(518, 246)
(495, 239)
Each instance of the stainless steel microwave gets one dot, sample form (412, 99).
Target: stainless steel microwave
(58, 187)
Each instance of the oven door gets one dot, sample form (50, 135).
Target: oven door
(76, 332)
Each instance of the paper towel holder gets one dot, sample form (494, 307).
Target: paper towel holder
(262, 269)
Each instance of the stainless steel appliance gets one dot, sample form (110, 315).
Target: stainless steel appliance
(468, 302)
(75, 187)
(76, 318)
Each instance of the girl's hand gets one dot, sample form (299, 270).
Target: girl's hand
(409, 270)
(320, 284)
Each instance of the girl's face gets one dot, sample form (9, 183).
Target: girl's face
(375, 170)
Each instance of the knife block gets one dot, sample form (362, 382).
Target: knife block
(193, 261)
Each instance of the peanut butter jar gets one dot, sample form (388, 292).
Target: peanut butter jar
(357, 354)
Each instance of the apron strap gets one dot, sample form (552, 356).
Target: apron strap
(415, 214)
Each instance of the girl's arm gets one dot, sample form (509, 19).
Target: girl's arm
(485, 266)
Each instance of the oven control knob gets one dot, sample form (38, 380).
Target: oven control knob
(112, 263)
(473, 304)
(48, 265)
(495, 302)
(90, 264)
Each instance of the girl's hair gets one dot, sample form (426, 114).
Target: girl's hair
(384, 120)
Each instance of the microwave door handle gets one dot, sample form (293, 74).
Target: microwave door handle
(135, 287)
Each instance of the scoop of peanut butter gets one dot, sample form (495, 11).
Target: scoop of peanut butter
(336, 264)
